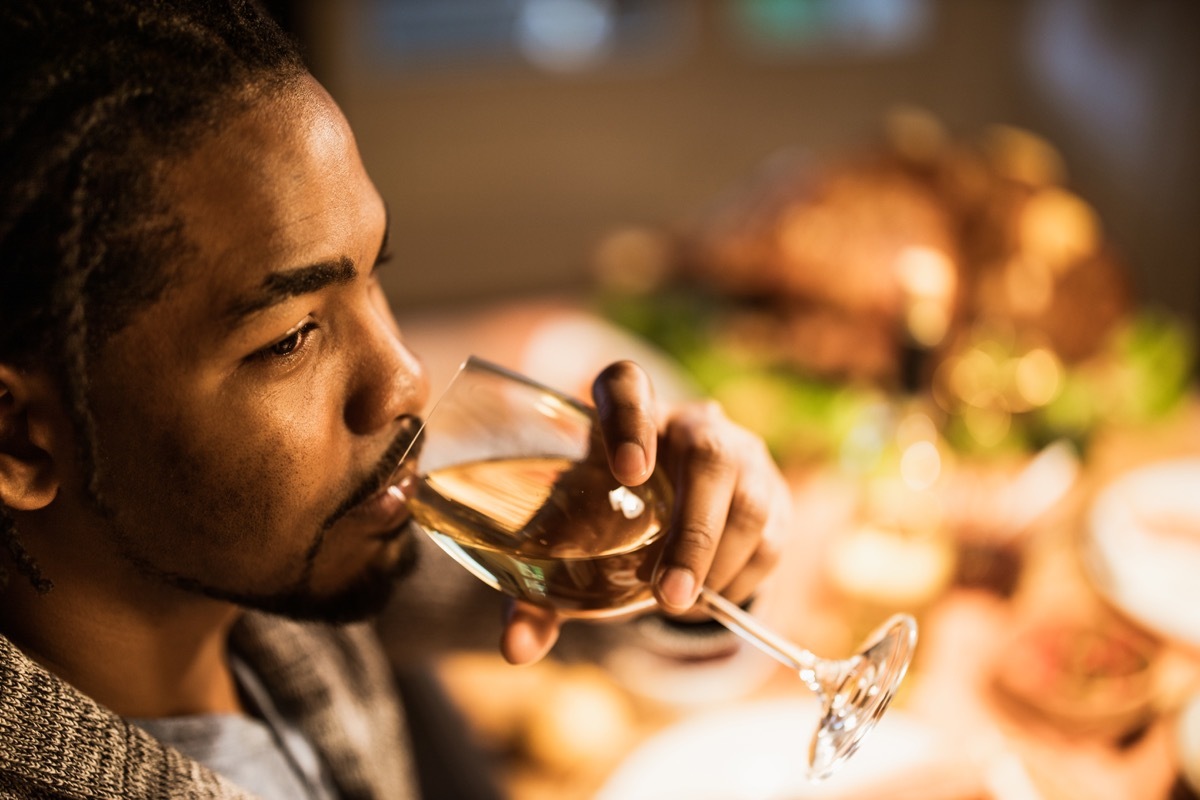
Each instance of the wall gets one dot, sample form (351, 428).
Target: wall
(501, 177)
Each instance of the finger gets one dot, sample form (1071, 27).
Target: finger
(529, 632)
(766, 556)
(757, 520)
(748, 582)
(625, 405)
(705, 474)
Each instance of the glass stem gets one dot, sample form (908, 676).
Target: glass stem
(819, 674)
(757, 634)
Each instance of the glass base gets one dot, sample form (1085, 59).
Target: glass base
(858, 692)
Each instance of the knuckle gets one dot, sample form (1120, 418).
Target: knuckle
(707, 447)
(753, 509)
(705, 412)
(697, 537)
(768, 554)
(712, 409)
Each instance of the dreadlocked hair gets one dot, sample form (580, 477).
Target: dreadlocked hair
(95, 97)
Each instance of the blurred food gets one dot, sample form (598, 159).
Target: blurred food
(1142, 546)
(1079, 677)
(889, 568)
(830, 259)
(965, 269)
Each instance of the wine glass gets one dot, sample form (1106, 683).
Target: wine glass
(511, 479)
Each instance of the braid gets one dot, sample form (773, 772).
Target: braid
(20, 556)
(75, 328)
(94, 98)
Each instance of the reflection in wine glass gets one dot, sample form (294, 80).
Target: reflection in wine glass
(511, 479)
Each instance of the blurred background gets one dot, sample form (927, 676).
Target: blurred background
(943, 255)
(510, 136)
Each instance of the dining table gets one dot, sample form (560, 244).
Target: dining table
(1057, 598)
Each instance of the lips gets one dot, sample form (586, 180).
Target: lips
(387, 509)
(374, 505)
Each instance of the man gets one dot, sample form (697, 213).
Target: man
(202, 395)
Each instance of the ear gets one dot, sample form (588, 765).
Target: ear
(31, 432)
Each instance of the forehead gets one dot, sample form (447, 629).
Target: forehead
(278, 184)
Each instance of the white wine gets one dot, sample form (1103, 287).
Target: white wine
(554, 532)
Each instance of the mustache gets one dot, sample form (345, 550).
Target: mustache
(380, 476)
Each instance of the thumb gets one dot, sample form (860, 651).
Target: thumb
(529, 632)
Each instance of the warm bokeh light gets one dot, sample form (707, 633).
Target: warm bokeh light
(928, 280)
(988, 426)
(1059, 227)
(1038, 376)
(975, 378)
(1028, 285)
(916, 427)
(632, 259)
(893, 569)
(1023, 156)
(920, 465)
(925, 272)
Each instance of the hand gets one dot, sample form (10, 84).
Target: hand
(731, 503)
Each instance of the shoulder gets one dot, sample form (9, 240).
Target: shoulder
(335, 684)
(56, 742)
(287, 650)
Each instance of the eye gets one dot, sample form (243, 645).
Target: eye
(288, 345)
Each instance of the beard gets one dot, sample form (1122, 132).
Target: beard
(357, 598)
(361, 598)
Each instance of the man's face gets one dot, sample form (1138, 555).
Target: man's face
(242, 417)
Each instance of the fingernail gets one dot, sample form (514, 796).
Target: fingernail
(677, 588)
(630, 460)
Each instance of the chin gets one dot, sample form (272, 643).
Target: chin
(359, 599)
(362, 601)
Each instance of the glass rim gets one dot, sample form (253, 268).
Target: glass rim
(476, 363)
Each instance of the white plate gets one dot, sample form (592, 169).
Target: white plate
(1142, 547)
(1187, 741)
(757, 751)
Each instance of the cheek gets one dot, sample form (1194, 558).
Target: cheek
(247, 472)
(261, 466)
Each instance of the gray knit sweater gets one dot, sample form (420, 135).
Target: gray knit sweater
(334, 682)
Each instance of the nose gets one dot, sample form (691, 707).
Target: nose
(390, 381)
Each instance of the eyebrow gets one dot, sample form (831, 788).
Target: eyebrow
(280, 286)
(285, 284)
